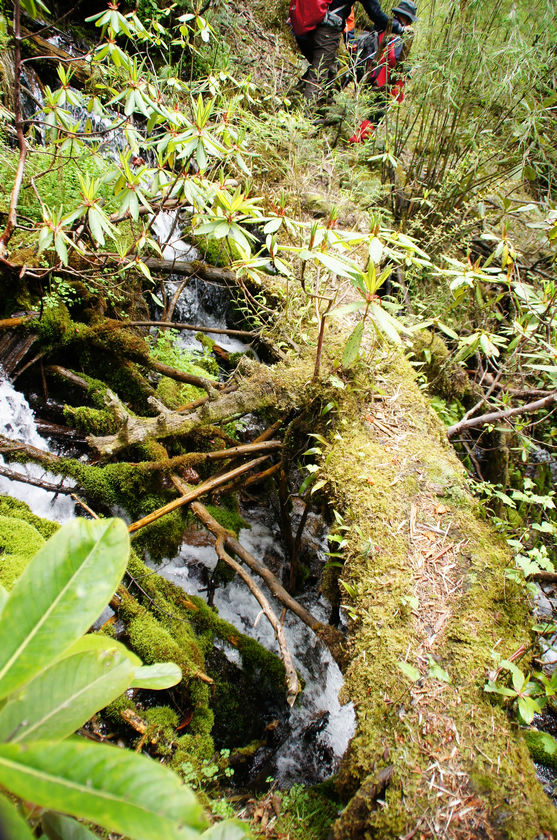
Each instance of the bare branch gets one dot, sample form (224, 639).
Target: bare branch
(495, 416)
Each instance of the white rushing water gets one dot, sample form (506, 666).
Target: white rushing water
(320, 728)
(17, 422)
(200, 302)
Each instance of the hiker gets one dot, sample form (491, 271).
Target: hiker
(317, 26)
(379, 65)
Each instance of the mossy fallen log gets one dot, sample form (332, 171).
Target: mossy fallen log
(281, 387)
(425, 586)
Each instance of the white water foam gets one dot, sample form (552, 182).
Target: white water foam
(318, 706)
(17, 422)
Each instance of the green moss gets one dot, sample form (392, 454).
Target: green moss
(90, 421)
(537, 744)
(19, 541)
(227, 515)
(19, 510)
(394, 467)
(175, 394)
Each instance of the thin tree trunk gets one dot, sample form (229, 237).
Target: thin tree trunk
(495, 416)
(200, 490)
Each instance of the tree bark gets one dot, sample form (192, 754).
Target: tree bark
(496, 416)
(265, 387)
(200, 490)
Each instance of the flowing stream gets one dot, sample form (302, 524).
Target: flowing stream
(17, 422)
(319, 728)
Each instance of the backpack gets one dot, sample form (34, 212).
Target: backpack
(305, 15)
(374, 61)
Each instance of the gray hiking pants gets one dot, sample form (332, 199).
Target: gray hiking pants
(320, 48)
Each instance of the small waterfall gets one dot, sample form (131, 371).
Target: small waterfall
(319, 727)
(17, 422)
(166, 228)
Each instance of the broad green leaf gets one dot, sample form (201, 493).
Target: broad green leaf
(116, 789)
(227, 830)
(546, 741)
(494, 688)
(409, 671)
(527, 708)
(12, 825)
(59, 827)
(4, 594)
(347, 308)
(352, 346)
(99, 642)
(386, 324)
(62, 698)
(158, 676)
(59, 595)
(436, 671)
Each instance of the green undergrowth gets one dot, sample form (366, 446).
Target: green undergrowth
(214, 702)
(306, 813)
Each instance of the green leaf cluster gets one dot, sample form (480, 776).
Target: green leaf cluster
(53, 678)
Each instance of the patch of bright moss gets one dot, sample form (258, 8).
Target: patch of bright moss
(19, 541)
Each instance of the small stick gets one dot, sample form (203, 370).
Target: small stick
(200, 490)
(292, 682)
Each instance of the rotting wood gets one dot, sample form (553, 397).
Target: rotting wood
(292, 682)
(193, 267)
(168, 311)
(9, 323)
(33, 453)
(245, 399)
(69, 375)
(200, 381)
(13, 475)
(200, 490)
(270, 579)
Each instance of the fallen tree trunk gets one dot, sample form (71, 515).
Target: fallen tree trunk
(425, 586)
(41, 48)
(196, 268)
(278, 387)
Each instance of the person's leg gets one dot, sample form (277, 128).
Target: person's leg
(322, 72)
